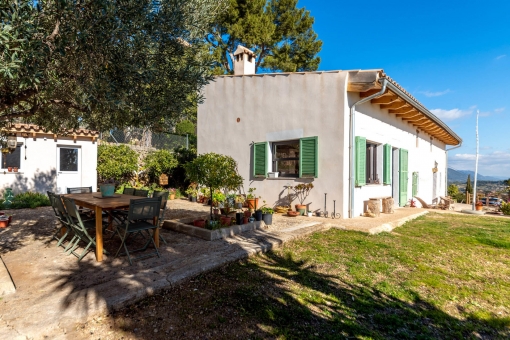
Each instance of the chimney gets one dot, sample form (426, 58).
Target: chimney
(244, 61)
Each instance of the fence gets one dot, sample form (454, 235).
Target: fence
(145, 139)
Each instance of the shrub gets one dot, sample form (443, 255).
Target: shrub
(159, 162)
(505, 208)
(30, 200)
(116, 161)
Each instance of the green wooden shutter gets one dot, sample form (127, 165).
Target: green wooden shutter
(308, 157)
(387, 164)
(260, 164)
(415, 183)
(361, 160)
(403, 168)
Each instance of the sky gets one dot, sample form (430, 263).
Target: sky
(453, 56)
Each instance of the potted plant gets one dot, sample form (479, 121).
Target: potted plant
(192, 192)
(107, 188)
(239, 200)
(251, 199)
(9, 168)
(309, 213)
(479, 206)
(172, 192)
(218, 199)
(199, 223)
(15, 169)
(302, 190)
(214, 171)
(267, 215)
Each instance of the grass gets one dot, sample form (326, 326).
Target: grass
(438, 277)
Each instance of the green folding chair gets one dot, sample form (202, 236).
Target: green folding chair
(129, 191)
(79, 190)
(139, 222)
(161, 219)
(58, 208)
(141, 193)
(81, 230)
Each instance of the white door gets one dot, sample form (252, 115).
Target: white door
(68, 168)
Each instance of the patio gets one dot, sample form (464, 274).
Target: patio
(55, 291)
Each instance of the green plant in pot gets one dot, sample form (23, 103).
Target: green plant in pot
(267, 215)
(214, 171)
(107, 188)
(252, 199)
(302, 190)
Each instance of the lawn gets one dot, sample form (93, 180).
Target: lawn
(440, 276)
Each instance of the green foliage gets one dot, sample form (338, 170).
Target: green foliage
(178, 176)
(453, 190)
(214, 171)
(280, 34)
(30, 200)
(505, 208)
(469, 187)
(103, 64)
(116, 161)
(151, 188)
(159, 162)
(185, 127)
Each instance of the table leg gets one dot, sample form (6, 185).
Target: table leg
(156, 232)
(99, 234)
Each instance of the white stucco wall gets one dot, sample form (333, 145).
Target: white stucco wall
(379, 126)
(39, 171)
(272, 108)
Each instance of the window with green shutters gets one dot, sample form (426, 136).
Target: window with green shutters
(295, 158)
(360, 161)
(387, 164)
(403, 169)
(260, 164)
(308, 157)
(415, 183)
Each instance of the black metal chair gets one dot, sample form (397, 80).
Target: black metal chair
(129, 191)
(164, 199)
(141, 193)
(141, 215)
(79, 190)
(80, 229)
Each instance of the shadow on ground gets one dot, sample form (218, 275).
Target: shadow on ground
(278, 297)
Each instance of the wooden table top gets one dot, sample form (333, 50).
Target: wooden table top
(95, 199)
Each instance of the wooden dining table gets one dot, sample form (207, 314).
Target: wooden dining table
(95, 202)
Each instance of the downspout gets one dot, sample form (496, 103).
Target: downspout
(352, 125)
(446, 173)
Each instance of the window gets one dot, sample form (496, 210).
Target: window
(12, 159)
(293, 158)
(372, 176)
(286, 158)
(68, 159)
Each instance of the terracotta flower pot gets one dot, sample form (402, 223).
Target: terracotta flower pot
(199, 223)
(293, 213)
(245, 220)
(252, 203)
(247, 214)
(15, 169)
(172, 196)
(9, 168)
(479, 207)
(226, 220)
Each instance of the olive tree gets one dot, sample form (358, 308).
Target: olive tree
(103, 64)
(214, 171)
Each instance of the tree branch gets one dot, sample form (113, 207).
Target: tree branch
(68, 104)
(6, 102)
(21, 114)
(53, 34)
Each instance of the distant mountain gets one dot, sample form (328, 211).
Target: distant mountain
(461, 176)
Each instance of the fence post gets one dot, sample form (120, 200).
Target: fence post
(187, 142)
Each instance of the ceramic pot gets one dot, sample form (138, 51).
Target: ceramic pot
(247, 213)
(479, 207)
(268, 218)
(293, 213)
(252, 203)
(107, 190)
(199, 223)
(239, 218)
(15, 169)
(258, 215)
(9, 168)
(225, 220)
(245, 220)
(172, 196)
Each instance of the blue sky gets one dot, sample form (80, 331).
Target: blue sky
(453, 56)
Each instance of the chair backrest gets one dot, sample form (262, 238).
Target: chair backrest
(144, 209)
(129, 191)
(60, 209)
(79, 190)
(163, 195)
(51, 198)
(141, 193)
(72, 211)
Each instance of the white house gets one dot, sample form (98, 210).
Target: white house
(354, 134)
(46, 161)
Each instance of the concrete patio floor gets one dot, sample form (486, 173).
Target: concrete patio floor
(55, 291)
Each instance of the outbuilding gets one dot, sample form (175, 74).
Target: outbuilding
(41, 160)
(354, 134)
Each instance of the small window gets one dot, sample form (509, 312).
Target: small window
(68, 159)
(12, 159)
(372, 164)
(286, 158)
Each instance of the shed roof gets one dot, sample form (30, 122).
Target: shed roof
(32, 128)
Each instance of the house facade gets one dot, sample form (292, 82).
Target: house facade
(355, 135)
(45, 161)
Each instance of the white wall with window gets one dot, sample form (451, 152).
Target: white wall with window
(42, 162)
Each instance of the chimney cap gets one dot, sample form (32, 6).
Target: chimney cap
(241, 49)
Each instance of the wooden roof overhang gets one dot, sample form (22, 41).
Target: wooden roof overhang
(401, 104)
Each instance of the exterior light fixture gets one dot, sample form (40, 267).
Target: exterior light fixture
(12, 142)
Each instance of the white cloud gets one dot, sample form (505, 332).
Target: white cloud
(499, 110)
(499, 57)
(496, 163)
(435, 94)
(451, 114)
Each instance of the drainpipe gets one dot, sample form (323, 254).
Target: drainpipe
(352, 125)
(446, 173)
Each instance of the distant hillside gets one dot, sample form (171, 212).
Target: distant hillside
(461, 176)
